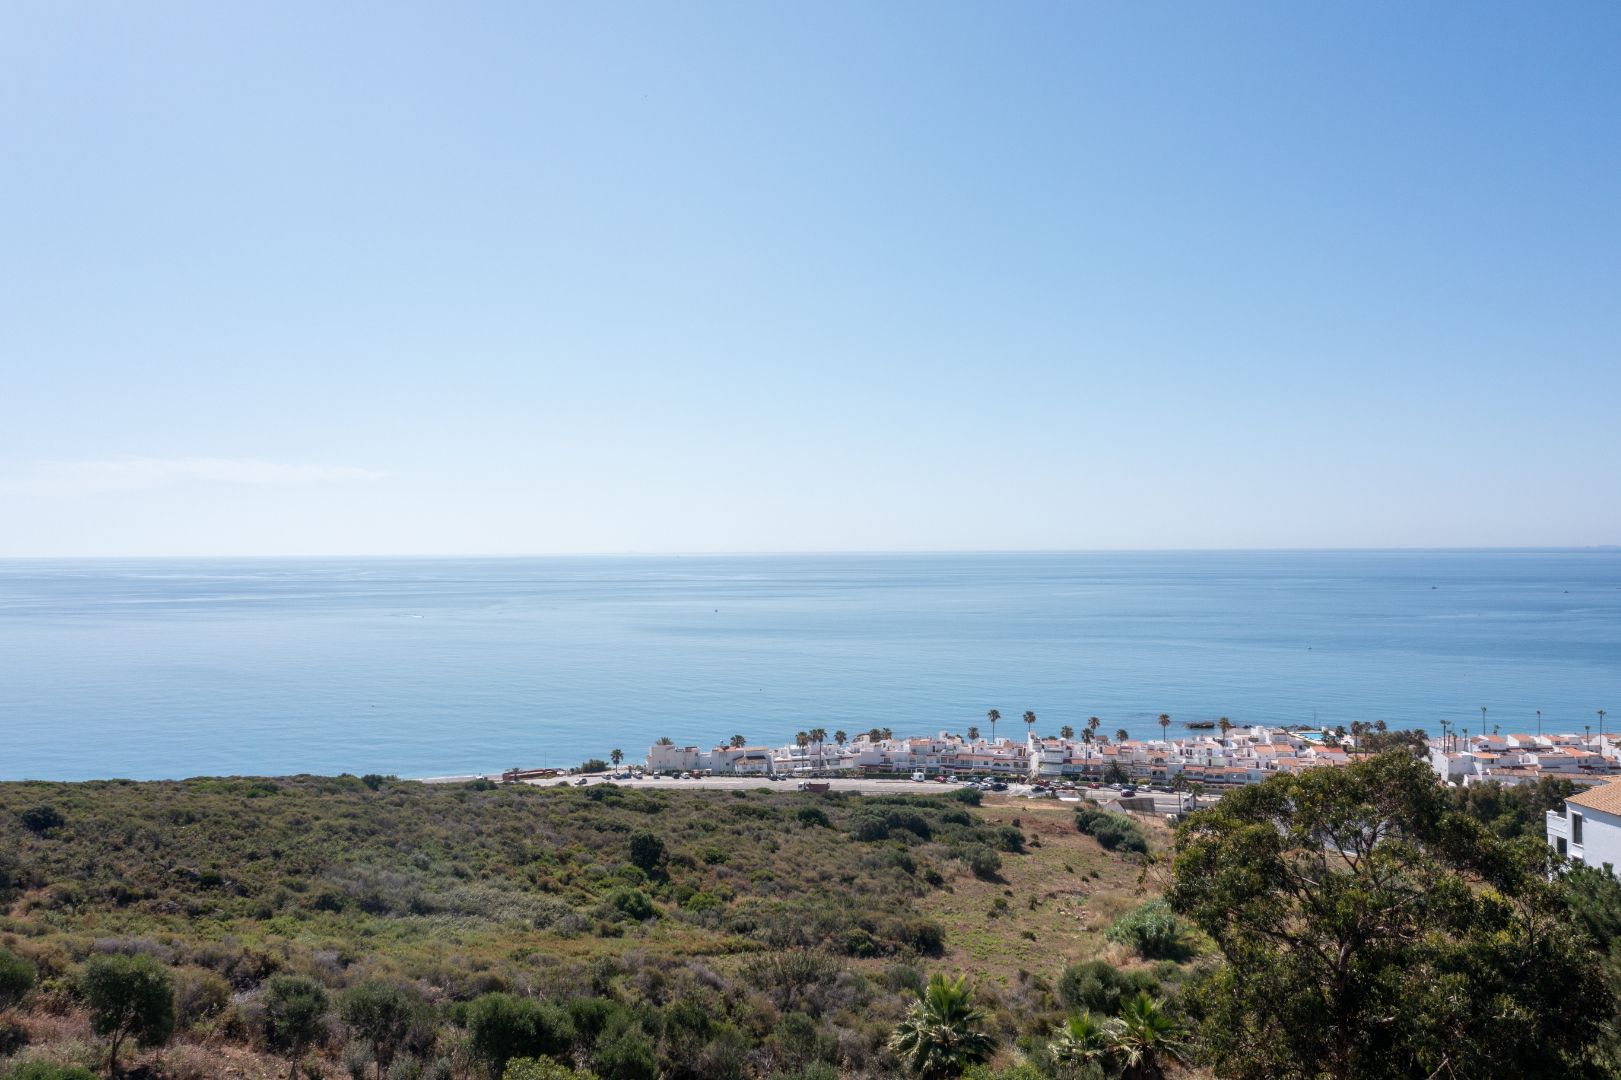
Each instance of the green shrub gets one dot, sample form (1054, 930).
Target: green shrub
(812, 816)
(542, 1069)
(982, 861)
(1152, 930)
(1114, 832)
(199, 995)
(385, 1015)
(16, 979)
(1099, 987)
(633, 903)
(295, 1008)
(44, 1070)
(41, 819)
(128, 997)
(503, 1026)
(646, 851)
(625, 1053)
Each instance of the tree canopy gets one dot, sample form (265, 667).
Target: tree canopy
(1371, 929)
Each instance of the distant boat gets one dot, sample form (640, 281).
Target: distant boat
(1201, 725)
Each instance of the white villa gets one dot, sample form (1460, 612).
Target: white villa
(1589, 830)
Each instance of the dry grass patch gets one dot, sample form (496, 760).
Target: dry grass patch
(1051, 904)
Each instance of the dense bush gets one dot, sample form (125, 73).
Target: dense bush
(1114, 832)
(16, 979)
(1153, 930)
(128, 997)
(503, 1026)
(1100, 987)
(42, 819)
(385, 1015)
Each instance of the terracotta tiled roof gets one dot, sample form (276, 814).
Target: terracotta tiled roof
(1602, 797)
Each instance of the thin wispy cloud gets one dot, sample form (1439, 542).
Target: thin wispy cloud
(145, 473)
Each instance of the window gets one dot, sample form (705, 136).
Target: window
(1559, 845)
(1575, 828)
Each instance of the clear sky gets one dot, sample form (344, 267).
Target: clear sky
(341, 278)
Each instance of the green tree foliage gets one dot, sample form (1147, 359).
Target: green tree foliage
(1415, 742)
(1372, 931)
(128, 997)
(1513, 810)
(16, 979)
(503, 1026)
(647, 851)
(384, 1014)
(295, 1008)
(944, 1032)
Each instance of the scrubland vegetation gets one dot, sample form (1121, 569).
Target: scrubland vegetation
(1358, 922)
(371, 927)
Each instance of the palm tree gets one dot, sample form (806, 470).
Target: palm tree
(1145, 1037)
(993, 716)
(1087, 736)
(665, 740)
(818, 736)
(802, 740)
(1029, 723)
(943, 1034)
(1092, 723)
(887, 733)
(1601, 730)
(1081, 1043)
(738, 742)
(841, 737)
(973, 734)
(1539, 723)
(1164, 723)
(1225, 725)
(1121, 735)
(1179, 784)
(874, 734)
(1066, 732)
(616, 756)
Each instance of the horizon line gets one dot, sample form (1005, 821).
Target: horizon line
(843, 552)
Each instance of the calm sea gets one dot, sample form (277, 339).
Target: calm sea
(171, 668)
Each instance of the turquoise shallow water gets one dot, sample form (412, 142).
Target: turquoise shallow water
(164, 668)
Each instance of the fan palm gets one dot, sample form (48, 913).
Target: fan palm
(1029, 722)
(1066, 732)
(1082, 1042)
(973, 734)
(943, 1035)
(993, 716)
(1145, 1037)
(616, 756)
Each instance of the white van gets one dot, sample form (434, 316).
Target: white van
(917, 778)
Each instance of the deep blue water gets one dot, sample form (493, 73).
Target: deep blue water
(166, 668)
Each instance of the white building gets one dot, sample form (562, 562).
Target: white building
(1589, 830)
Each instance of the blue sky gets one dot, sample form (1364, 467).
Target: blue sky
(396, 278)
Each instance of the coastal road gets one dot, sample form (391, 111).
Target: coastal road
(1163, 804)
